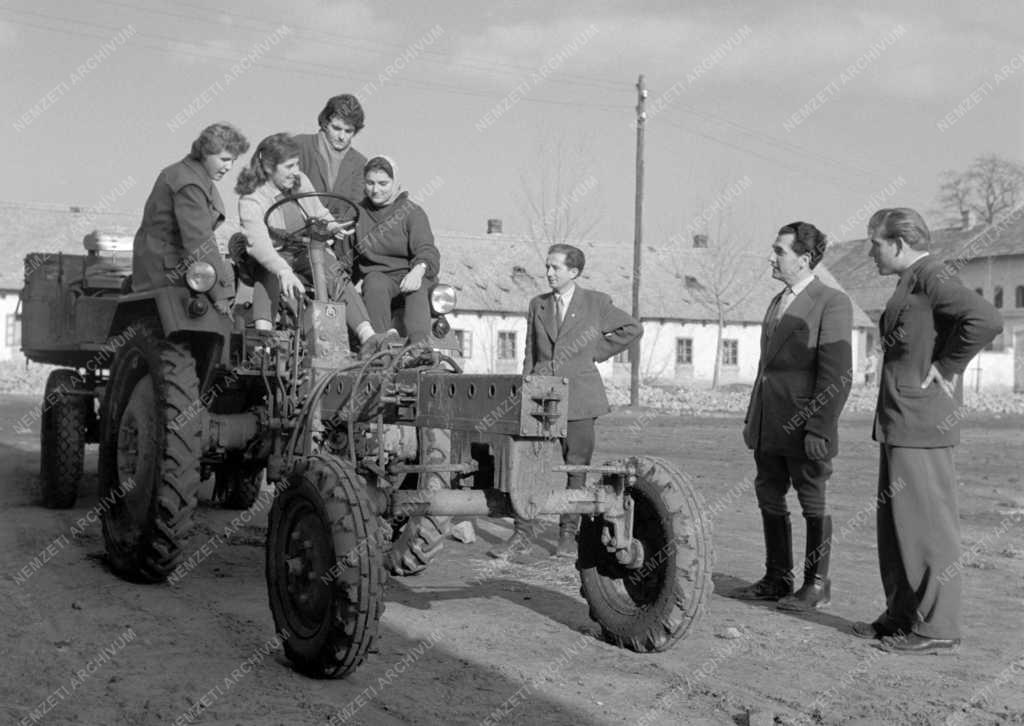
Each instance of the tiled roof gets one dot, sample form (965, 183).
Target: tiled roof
(502, 272)
(494, 273)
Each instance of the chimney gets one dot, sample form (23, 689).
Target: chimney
(700, 240)
(493, 226)
(969, 220)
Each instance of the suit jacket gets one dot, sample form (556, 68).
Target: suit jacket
(804, 375)
(348, 183)
(593, 330)
(178, 222)
(930, 318)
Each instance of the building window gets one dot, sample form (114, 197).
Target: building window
(622, 357)
(997, 296)
(684, 351)
(730, 352)
(465, 339)
(13, 336)
(1019, 296)
(506, 345)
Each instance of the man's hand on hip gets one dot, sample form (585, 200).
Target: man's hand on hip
(948, 385)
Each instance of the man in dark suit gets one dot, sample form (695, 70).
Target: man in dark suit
(567, 331)
(803, 380)
(328, 158)
(931, 328)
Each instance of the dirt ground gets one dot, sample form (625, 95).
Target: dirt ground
(469, 642)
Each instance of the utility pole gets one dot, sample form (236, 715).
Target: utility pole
(634, 353)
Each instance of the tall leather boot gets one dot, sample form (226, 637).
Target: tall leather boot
(778, 578)
(816, 591)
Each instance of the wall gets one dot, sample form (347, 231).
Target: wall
(8, 305)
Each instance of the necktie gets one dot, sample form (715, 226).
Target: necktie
(559, 313)
(780, 310)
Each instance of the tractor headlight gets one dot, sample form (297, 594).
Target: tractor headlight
(200, 276)
(442, 299)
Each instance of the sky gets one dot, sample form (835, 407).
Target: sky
(758, 113)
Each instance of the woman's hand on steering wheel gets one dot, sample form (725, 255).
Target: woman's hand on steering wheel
(341, 230)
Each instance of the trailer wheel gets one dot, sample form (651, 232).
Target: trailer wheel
(650, 608)
(416, 541)
(62, 434)
(149, 456)
(325, 567)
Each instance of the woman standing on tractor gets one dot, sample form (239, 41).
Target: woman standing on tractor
(182, 212)
(394, 253)
(283, 270)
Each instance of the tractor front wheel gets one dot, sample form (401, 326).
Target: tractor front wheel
(325, 567)
(650, 608)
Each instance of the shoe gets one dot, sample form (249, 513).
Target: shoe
(519, 543)
(566, 545)
(873, 631)
(767, 588)
(914, 644)
(816, 591)
(379, 341)
(778, 545)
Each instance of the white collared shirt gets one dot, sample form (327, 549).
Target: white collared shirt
(565, 298)
(790, 294)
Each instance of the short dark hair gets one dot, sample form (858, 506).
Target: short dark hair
(216, 138)
(346, 107)
(901, 223)
(807, 240)
(574, 256)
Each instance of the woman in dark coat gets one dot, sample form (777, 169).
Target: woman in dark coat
(394, 252)
(182, 212)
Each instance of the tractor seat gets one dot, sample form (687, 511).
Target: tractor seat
(96, 242)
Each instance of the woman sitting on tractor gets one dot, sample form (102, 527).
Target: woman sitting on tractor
(182, 212)
(394, 253)
(283, 271)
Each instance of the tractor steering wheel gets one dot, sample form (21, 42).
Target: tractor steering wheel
(313, 227)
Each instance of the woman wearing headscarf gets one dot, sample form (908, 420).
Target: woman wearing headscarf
(393, 251)
(182, 212)
(284, 271)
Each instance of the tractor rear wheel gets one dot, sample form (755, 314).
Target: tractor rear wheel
(62, 434)
(416, 541)
(149, 455)
(325, 567)
(650, 608)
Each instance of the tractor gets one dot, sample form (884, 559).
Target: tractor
(368, 456)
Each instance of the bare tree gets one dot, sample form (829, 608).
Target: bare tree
(721, 275)
(557, 197)
(991, 187)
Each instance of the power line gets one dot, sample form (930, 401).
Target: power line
(306, 68)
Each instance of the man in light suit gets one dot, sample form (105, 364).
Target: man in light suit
(328, 158)
(931, 328)
(567, 331)
(803, 380)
